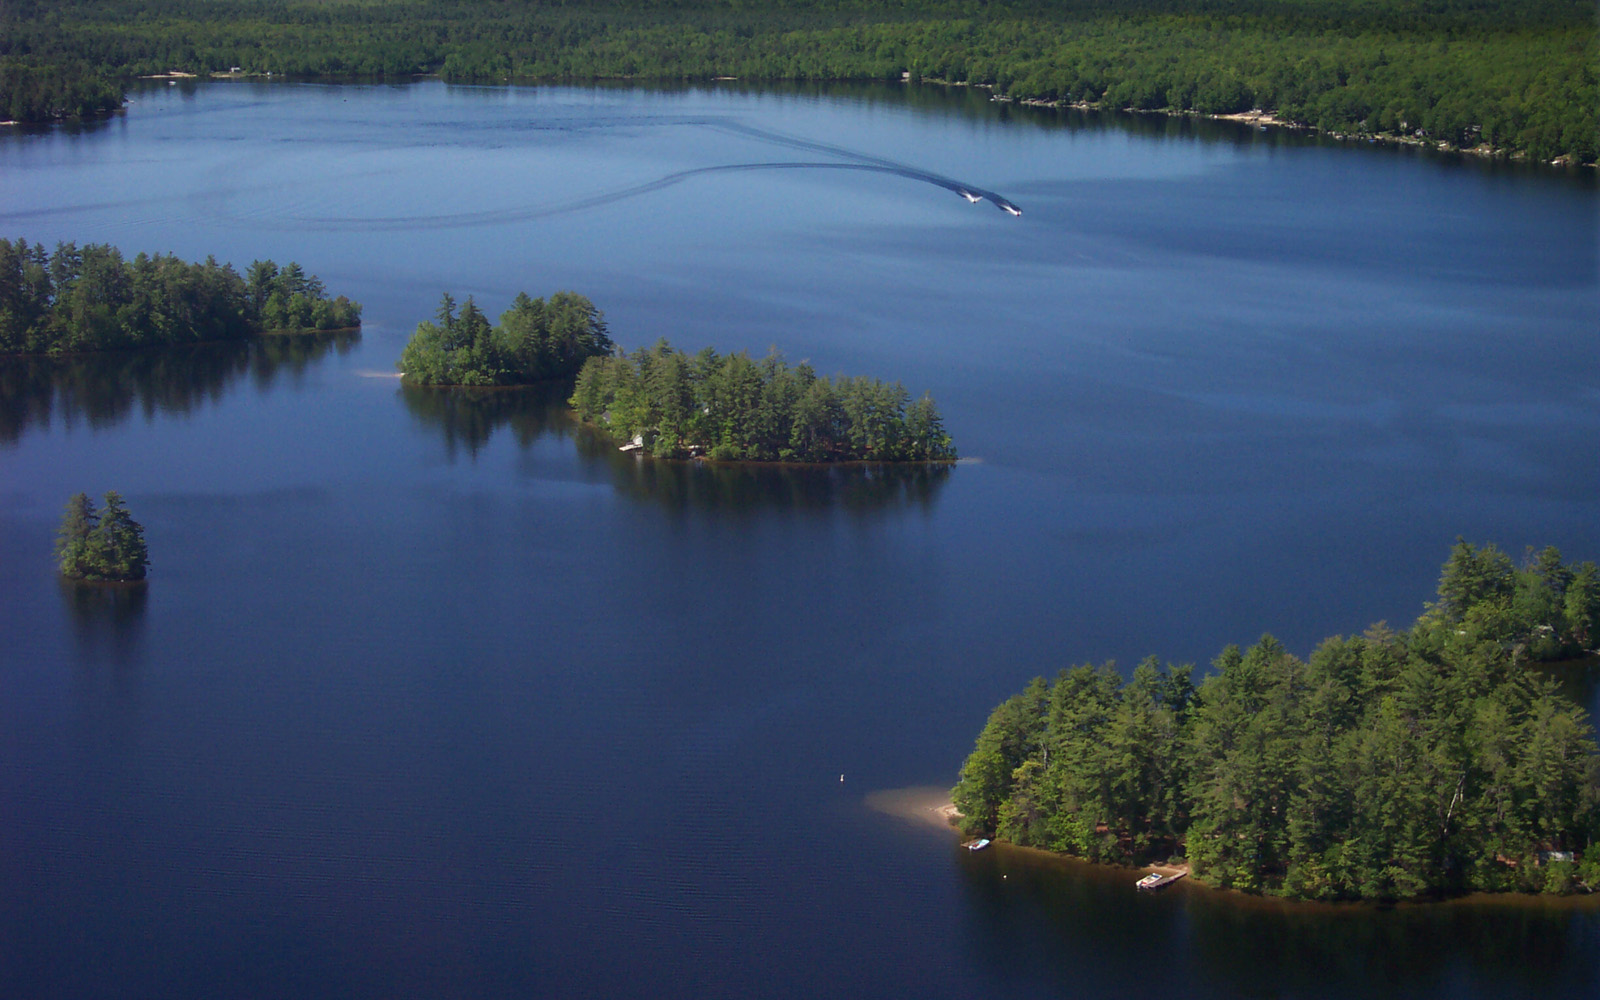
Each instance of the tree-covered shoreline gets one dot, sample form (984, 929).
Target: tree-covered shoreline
(1513, 75)
(1390, 765)
(731, 408)
(90, 298)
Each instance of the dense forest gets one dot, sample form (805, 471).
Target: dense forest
(1388, 765)
(90, 298)
(105, 546)
(728, 407)
(1519, 75)
(536, 340)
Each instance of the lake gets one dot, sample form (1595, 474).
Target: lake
(435, 694)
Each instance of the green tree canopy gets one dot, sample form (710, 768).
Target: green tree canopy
(1518, 75)
(91, 298)
(730, 407)
(536, 340)
(101, 546)
(1389, 765)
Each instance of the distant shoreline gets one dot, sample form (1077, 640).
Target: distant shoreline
(1263, 119)
(1260, 117)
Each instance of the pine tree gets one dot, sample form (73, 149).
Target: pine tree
(116, 545)
(105, 546)
(72, 540)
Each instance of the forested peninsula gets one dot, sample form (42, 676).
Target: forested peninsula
(1390, 765)
(91, 298)
(731, 408)
(1512, 75)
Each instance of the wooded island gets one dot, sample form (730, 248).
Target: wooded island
(671, 404)
(536, 341)
(1391, 765)
(104, 546)
(90, 298)
(1514, 75)
(730, 408)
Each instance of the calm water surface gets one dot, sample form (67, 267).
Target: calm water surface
(436, 695)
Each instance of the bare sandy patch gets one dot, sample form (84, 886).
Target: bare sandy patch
(925, 805)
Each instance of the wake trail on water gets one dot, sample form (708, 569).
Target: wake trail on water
(467, 220)
(853, 160)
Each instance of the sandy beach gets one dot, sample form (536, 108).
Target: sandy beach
(925, 805)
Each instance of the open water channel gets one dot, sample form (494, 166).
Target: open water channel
(438, 696)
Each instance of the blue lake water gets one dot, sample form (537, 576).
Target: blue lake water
(433, 695)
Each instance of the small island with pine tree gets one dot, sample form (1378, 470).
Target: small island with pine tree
(105, 546)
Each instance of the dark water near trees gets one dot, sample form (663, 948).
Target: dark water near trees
(434, 694)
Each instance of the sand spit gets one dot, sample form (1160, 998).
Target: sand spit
(925, 805)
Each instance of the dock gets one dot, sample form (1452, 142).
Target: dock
(1160, 879)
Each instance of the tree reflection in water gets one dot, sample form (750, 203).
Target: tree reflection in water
(106, 388)
(469, 417)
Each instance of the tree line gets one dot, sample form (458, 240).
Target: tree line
(69, 89)
(91, 298)
(1389, 765)
(1518, 74)
(535, 341)
(101, 546)
(730, 407)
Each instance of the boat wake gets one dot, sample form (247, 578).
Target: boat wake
(845, 159)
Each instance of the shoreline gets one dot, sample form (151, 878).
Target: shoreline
(930, 806)
(1269, 119)
(1259, 117)
(923, 805)
(343, 331)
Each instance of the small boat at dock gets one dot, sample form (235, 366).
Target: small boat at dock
(1154, 881)
(976, 845)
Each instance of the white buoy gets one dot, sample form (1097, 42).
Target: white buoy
(841, 777)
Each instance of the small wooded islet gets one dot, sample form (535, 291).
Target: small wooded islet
(101, 546)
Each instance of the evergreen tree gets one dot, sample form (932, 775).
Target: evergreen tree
(116, 545)
(72, 540)
(93, 299)
(108, 546)
(536, 340)
(731, 408)
(1390, 765)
